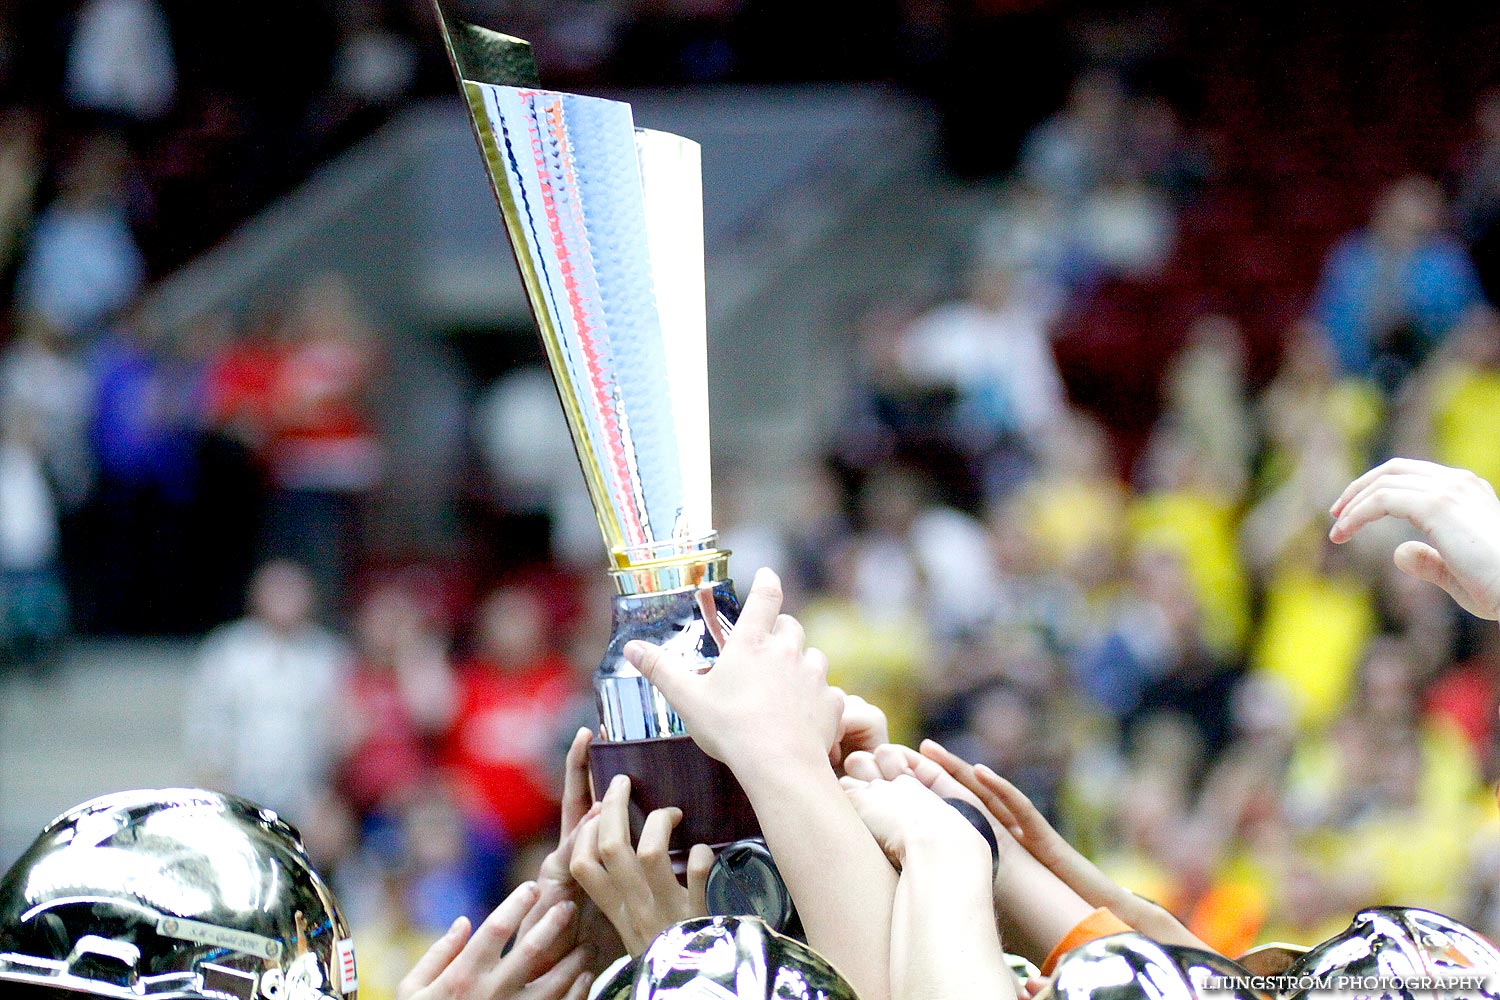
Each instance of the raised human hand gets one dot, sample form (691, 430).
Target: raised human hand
(555, 882)
(765, 702)
(903, 814)
(1028, 828)
(635, 887)
(540, 966)
(944, 939)
(891, 760)
(553, 879)
(1457, 512)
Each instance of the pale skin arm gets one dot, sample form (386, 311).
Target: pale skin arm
(554, 880)
(766, 710)
(1455, 510)
(943, 937)
(1030, 829)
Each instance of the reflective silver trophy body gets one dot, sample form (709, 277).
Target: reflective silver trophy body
(606, 222)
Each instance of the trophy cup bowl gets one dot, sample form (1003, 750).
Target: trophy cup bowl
(606, 223)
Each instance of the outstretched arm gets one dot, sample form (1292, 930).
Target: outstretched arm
(943, 937)
(1457, 512)
(1030, 829)
(767, 711)
(1036, 910)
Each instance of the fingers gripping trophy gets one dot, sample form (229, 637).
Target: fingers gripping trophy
(606, 223)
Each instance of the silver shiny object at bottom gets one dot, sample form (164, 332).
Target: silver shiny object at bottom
(167, 894)
(730, 958)
(1402, 953)
(1134, 967)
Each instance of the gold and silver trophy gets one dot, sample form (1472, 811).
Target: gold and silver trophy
(606, 221)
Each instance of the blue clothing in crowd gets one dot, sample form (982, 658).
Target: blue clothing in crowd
(1367, 290)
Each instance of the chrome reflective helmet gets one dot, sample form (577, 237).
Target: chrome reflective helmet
(727, 957)
(166, 894)
(1400, 942)
(1131, 966)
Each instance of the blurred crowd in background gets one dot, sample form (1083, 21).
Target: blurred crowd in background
(1070, 520)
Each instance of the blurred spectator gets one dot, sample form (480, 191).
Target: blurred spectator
(1016, 732)
(1312, 900)
(325, 456)
(1393, 290)
(1152, 654)
(21, 167)
(1241, 796)
(240, 380)
(1151, 808)
(1393, 787)
(33, 602)
(868, 625)
(373, 64)
(1318, 430)
(265, 717)
(373, 67)
(145, 436)
(1453, 416)
(1319, 614)
(1072, 152)
(1181, 507)
(42, 375)
(993, 348)
(514, 699)
(1074, 507)
(799, 528)
(1467, 696)
(921, 554)
(1031, 597)
(1164, 157)
(83, 265)
(241, 364)
(1477, 203)
(885, 406)
(1126, 229)
(120, 61)
(1035, 232)
(399, 699)
(413, 876)
(446, 871)
(1417, 614)
(1204, 390)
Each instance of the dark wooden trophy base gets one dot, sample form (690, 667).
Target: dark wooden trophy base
(673, 771)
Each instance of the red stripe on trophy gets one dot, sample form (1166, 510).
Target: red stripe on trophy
(598, 383)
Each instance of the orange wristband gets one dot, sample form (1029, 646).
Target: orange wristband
(1100, 923)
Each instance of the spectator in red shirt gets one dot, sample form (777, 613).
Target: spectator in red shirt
(514, 702)
(1467, 695)
(400, 701)
(325, 456)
